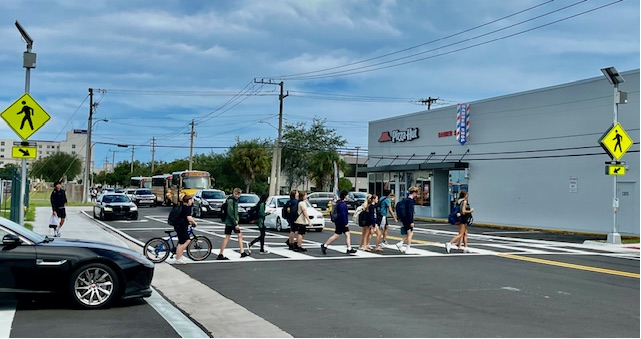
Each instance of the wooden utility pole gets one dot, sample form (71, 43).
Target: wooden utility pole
(191, 146)
(428, 102)
(153, 150)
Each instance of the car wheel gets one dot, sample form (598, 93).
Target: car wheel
(279, 225)
(134, 217)
(198, 212)
(94, 213)
(94, 285)
(102, 215)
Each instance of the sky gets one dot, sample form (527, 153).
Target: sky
(156, 65)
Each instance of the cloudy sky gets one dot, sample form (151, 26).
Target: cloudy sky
(157, 64)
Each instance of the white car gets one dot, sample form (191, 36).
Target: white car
(276, 221)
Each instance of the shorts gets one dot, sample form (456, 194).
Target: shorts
(341, 229)
(407, 227)
(182, 233)
(383, 223)
(229, 229)
(61, 212)
(300, 228)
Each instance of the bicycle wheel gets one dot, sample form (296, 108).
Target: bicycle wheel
(199, 248)
(156, 250)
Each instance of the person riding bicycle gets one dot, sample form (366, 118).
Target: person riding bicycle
(182, 228)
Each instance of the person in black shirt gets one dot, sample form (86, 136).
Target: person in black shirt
(182, 229)
(58, 202)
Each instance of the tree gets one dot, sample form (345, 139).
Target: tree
(249, 159)
(56, 166)
(344, 184)
(310, 153)
(8, 171)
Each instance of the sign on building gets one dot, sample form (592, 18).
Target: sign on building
(462, 123)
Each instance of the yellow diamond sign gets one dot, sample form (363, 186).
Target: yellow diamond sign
(25, 116)
(616, 141)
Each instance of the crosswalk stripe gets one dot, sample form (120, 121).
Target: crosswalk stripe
(7, 312)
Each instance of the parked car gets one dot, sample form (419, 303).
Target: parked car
(91, 274)
(356, 199)
(276, 221)
(245, 202)
(114, 205)
(207, 202)
(144, 196)
(130, 194)
(320, 199)
(120, 190)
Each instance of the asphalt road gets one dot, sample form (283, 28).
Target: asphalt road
(513, 284)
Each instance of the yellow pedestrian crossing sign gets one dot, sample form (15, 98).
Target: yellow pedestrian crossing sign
(25, 116)
(23, 152)
(616, 141)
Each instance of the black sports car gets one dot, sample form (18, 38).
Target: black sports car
(92, 274)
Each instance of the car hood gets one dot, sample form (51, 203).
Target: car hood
(88, 244)
(146, 196)
(112, 204)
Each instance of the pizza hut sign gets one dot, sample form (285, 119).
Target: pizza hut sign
(399, 135)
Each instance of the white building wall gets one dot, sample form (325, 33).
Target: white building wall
(559, 127)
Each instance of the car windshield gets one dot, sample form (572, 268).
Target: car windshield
(143, 192)
(114, 198)
(195, 182)
(213, 195)
(23, 231)
(360, 195)
(248, 199)
(131, 191)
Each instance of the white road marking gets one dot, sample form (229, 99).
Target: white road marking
(183, 325)
(7, 312)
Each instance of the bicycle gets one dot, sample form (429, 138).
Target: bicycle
(158, 249)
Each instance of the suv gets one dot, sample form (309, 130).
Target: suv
(245, 203)
(356, 199)
(144, 196)
(321, 199)
(208, 202)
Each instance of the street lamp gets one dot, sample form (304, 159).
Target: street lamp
(29, 62)
(614, 78)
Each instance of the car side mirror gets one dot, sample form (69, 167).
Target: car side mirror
(11, 240)
(314, 205)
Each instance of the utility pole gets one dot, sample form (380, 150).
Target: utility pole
(85, 180)
(153, 150)
(356, 172)
(113, 160)
(274, 182)
(428, 102)
(132, 158)
(191, 145)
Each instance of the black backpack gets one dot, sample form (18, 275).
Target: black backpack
(334, 215)
(362, 218)
(223, 210)
(287, 209)
(174, 216)
(252, 214)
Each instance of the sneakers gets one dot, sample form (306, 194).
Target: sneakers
(180, 261)
(244, 254)
(300, 249)
(351, 251)
(221, 257)
(384, 242)
(466, 250)
(323, 248)
(264, 252)
(448, 247)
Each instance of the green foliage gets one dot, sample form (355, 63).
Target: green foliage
(8, 171)
(344, 184)
(249, 159)
(57, 166)
(310, 152)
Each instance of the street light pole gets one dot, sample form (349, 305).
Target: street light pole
(29, 62)
(615, 79)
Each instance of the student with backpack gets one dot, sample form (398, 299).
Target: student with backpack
(181, 226)
(231, 224)
(301, 221)
(262, 213)
(405, 211)
(385, 209)
(367, 220)
(341, 220)
(464, 212)
(289, 212)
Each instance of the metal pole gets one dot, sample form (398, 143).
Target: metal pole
(23, 163)
(356, 171)
(614, 237)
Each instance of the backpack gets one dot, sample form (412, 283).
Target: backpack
(223, 210)
(379, 209)
(357, 215)
(453, 218)
(252, 214)
(334, 215)
(174, 216)
(401, 213)
(362, 219)
(286, 210)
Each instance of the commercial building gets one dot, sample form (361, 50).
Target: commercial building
(529, 159)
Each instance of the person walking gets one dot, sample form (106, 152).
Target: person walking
(385, 209)
(182, 227)
(231, 224)
(291, 207)
(262, 213)
(466, 216)
(301, 221)
(408, 220)
(372, 219)
(58, 201)
(341, 223)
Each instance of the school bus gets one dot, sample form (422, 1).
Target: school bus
(188, 182)
(161, 186)
(140, 182)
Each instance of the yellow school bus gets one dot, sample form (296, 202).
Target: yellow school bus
(161, 186)
(188, 182)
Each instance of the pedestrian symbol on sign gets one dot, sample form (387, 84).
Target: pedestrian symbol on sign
(28, 111)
